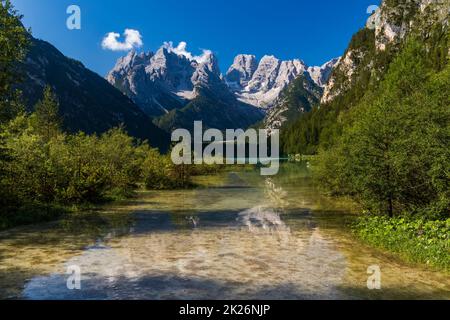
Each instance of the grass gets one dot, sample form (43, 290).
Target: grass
(415, 240)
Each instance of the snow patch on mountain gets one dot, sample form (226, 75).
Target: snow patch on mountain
(167, 79)
(261, 83)
(173, 76)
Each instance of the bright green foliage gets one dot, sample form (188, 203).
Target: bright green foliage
(96, 168)
(416, 240)
(393, 155)
(46, 120)
(160, 173)
(122, 159)
(81, 159)
(42, 168)
(49, 168)
(385, 138)
(72, 168)
(13, 44)
(323, 124)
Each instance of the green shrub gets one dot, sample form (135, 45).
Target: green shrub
(416, 240)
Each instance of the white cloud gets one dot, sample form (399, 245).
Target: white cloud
(133, 39)
(181, 51)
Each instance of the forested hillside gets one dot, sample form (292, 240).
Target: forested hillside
(364, 65)
(382, 132)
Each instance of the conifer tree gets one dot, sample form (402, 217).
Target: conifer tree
(14, 42)
(46, 120)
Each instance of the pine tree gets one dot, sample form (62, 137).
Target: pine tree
(46, 120)
(14, 42)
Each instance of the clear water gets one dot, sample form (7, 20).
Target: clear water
(240, 236)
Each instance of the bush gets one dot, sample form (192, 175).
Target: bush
(416, 240)
(393, 155)
(160, 173)
(47, 169)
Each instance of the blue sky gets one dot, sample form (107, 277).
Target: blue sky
(312, 30)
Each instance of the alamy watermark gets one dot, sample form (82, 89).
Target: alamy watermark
(73, 22)
(74, 279)
(374, 280)
(233, 147)
(375, 18)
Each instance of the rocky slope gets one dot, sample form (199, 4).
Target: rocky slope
(321, 75)
(299, 97)
(177, 88)
(364, 64)
(373, 47)
(163, 81)
(146, 84)
(262, 83)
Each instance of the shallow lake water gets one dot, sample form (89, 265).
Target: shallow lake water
(238, 236)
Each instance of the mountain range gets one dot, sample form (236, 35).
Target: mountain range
(152, 94)
(260, 83)
(87, 102)
(176, 88)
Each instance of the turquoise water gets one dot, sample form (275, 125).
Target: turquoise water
(238, 236)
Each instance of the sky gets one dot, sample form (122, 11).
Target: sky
(312, 30)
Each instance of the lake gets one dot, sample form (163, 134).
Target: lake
(238, 236)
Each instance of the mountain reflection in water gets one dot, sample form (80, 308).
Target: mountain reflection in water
(242, 236)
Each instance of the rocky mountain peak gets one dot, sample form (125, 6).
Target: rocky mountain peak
(261, 83)
(172, 77)
(168, 79)
(265, 75)
(387, 27)
(128, 62)
(320, 75)
(211, 62)
(242, 70)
